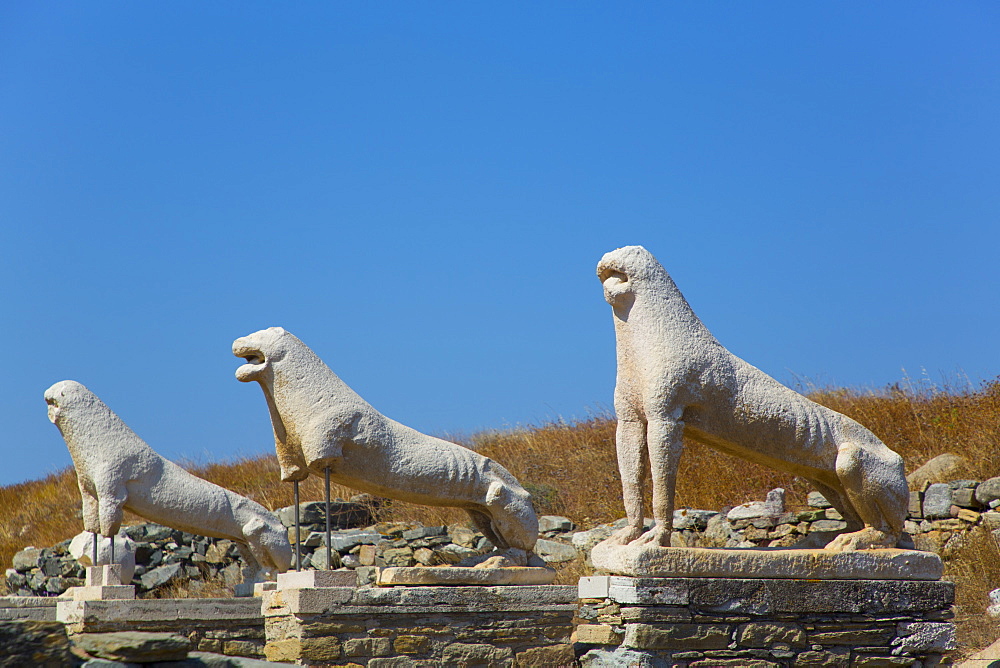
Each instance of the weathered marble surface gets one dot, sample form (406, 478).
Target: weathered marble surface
(653, 561)
(118, 471)
(675, 378)
(320, 422)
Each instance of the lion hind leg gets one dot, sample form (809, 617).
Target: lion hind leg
(838, 499)
(876, 488)
(485, 526)
(259, 555)
(253, 571)
(505, 554)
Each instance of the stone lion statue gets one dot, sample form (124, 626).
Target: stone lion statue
(117, 471)
(675, 378)
(320, 422)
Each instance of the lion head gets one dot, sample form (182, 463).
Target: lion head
(625, 272)
(261, 350)
(67, 397)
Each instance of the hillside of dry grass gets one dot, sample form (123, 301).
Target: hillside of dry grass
(571, 470)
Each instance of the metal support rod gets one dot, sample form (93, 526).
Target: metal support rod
(298, 551)
(96, 535)
(329, 560)
(112, 539)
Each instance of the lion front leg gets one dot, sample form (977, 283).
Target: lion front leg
(663, 438)
(91, 512)
(111, 510)
(630, 443)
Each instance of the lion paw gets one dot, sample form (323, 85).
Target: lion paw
(866, 539)
(506, 559)
(625, 536)
(658, 536)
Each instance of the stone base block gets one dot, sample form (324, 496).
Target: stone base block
(782, 563)
(106, 575)
(418, 575)
(260, 587)
(313, 579)
(763, 622)
(101, 593)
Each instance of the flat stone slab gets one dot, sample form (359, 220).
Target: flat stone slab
(431, 575)
(369, 601)
(312, 579)
(775, 563)
(102, 593)
(94, 615)
(35, 608)
(134, 646)
(766, 596)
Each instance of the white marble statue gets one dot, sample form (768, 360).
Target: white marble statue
(675, 378)
(118, 471)
(320, 422)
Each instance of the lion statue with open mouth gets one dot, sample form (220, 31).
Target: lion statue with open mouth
(319, 422)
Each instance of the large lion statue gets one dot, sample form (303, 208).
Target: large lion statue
(675, 378)
(117, 471)
(319, 422)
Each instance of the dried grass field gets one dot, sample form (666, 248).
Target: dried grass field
(571, 470)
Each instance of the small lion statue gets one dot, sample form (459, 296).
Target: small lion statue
(675, 378)
(117, 471)
(320, 422)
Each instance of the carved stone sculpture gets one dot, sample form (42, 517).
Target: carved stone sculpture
(675, 378)
(320, 422)
(118, 471)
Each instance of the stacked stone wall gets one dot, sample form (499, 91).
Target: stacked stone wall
(708, 622)
(421, 627)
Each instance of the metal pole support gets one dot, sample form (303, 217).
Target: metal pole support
(298, 550)
(329, 555)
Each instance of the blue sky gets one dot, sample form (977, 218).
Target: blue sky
(421, 192)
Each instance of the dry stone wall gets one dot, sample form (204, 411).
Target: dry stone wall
(939, 518)
(166, 558)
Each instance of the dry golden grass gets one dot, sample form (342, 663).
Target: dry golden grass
(571, 470)
(975, 572)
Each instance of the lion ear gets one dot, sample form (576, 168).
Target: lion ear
(254, 527)
(496, 493)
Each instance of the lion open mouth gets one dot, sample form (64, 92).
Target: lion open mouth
(256, 363)
(612, 278)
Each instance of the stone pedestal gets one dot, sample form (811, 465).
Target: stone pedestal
(421, 626)
(313, 579)
(764, 608)
(103, 583)
(762, 622)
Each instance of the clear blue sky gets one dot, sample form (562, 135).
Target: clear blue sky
(421, 192)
